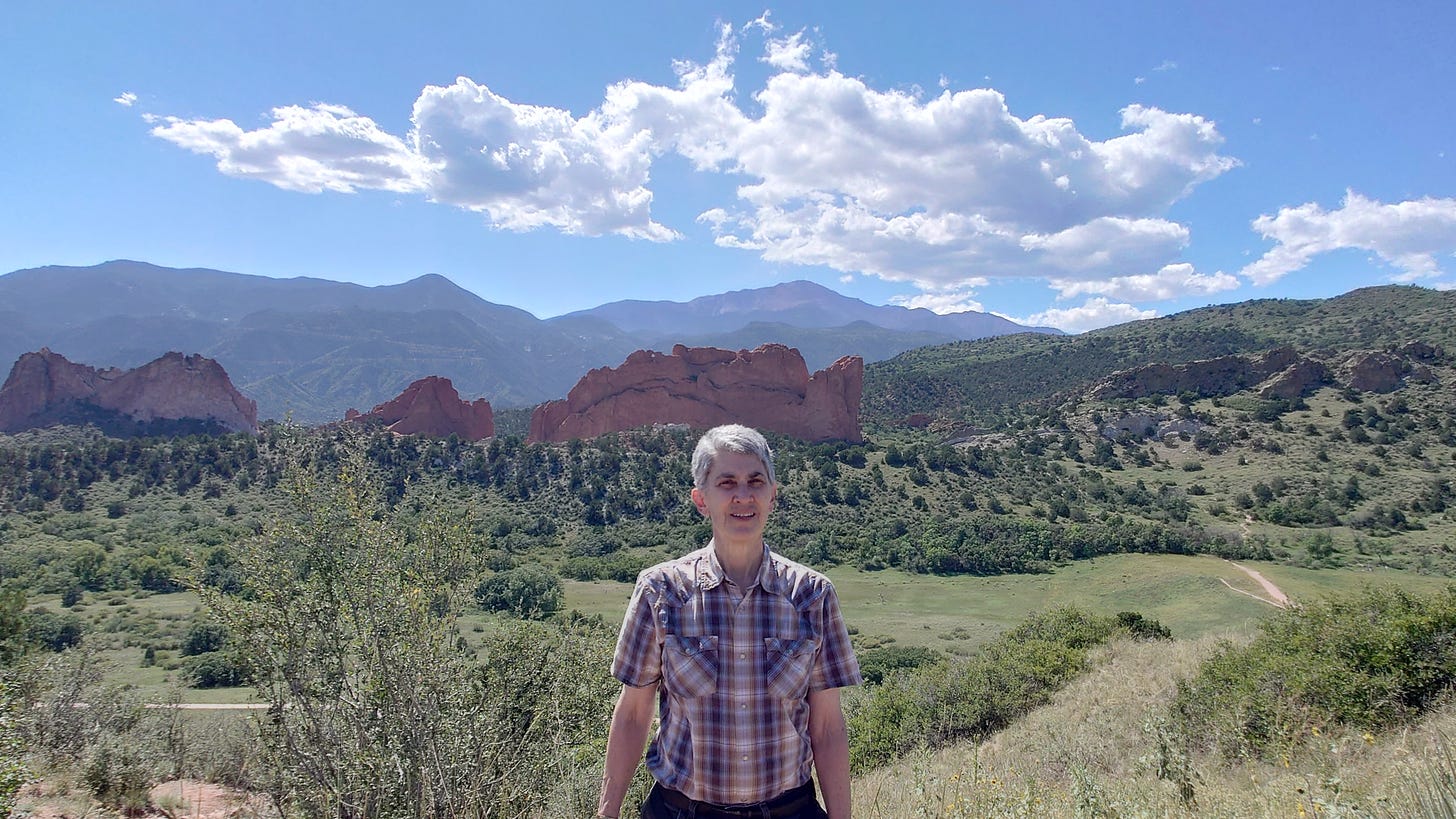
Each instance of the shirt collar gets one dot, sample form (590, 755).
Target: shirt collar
(710, 571)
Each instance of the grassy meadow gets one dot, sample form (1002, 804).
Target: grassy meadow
(958, 614)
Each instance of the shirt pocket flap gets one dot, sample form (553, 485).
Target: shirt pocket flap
(690, 665)
(789, 663)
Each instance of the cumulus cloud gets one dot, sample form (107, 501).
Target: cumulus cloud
(788, 53)
(1171, 282)
(528, 166)
(943, 303)
(882, 182)
(1408, 236)
(127, 99)
(937, 192)
(324, 147)
(1098, 312)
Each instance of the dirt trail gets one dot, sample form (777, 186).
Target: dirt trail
(1275, 598)
(211, 706)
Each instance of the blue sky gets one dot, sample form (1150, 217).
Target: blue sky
(1076, 165)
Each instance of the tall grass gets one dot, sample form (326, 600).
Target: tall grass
(1093, 752)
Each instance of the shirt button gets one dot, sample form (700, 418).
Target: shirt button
(745, 757)
(742, 655)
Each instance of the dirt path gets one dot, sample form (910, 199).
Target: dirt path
(1275, 597)
(211, 706)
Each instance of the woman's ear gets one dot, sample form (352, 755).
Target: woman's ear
(700, 501)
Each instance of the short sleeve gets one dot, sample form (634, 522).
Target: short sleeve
(638, 658)
(837, 666)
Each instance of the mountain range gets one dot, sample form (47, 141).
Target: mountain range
(312, 348)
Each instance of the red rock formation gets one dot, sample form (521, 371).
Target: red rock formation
(769, 388)
(431, 406)
(44, 385)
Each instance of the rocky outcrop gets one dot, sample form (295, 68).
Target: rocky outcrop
(1278, 374)
(431, 406)
(1298, 379)
(1141, 425)
(1220, 376)
(44, 389)
(1421, 351)
(768, 387)
(1375, 371)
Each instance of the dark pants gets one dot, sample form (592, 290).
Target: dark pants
(799, 803)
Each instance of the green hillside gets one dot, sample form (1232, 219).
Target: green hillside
(985, 381)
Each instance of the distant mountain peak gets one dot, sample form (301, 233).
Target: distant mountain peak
(799, 303)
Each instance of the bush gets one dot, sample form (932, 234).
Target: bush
(349, 610)
(530, 592)
(12, 747)
(877, 663)
(216, 669)
(1370, 660)
(56, 632)
(204, 637)
(964, 699)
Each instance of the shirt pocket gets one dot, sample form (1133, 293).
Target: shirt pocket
(790, 663)
(690, 665)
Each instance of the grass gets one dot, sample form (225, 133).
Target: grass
(950, 614)
(1093, 753)
(958, 614)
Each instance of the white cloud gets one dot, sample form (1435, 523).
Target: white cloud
(1408, 235)
(527, 166)
(326, 147)
(847, 278)
(943, 303)
(788, 53)
(1098, 312)
(127, 99)
(930, 192)
(1171, 282)
(1108, 244)
(834, 172)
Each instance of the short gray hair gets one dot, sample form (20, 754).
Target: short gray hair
(730, 438)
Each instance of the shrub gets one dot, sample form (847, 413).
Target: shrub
(56, 632)
(12, 766)
(1369, 660)
(216, 669)
(877, 663)
(203, 637)
(348, 608)
(941, 703)
(530, 592)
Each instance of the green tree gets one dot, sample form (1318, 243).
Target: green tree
(347, 608)
(529, 591)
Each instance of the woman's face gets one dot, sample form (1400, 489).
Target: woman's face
(737, 498)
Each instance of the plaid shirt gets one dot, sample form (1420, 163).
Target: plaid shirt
(736, 669)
